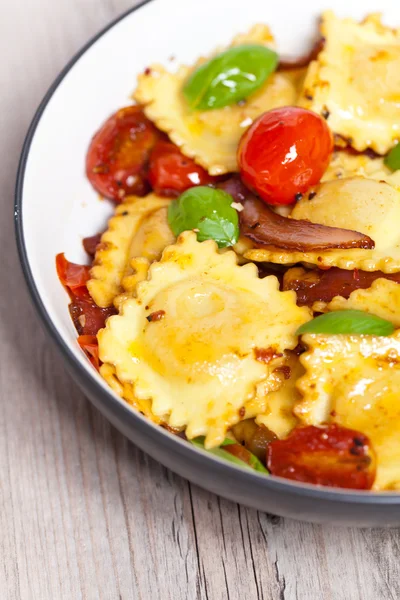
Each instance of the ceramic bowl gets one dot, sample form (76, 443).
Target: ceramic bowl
(56, 207)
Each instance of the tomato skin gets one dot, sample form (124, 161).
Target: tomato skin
(322, 285)
(90, 346)
(332, 455)
(284, 152)
(70, 274)
(87, 317)
(171, 173)
(90, 243)
(117, 158)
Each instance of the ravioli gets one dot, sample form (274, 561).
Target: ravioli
(125, 390)
(355, 82)
(278, 415)
(139, 228)
(139, 268)
(202, 338)
(368, 206)
(354, 381)
(345, 164)
(211, 137)
(381, 299)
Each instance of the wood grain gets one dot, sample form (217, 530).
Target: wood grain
(83, 513)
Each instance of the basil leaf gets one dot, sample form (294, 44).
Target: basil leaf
(229, 77)
(392, 160)
(209, 212)
(348, 321)
(255, 463)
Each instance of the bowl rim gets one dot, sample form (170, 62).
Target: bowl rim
(219, 467)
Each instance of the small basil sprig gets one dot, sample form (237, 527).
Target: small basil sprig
(349, 322)
(254, 463)
(392, 160)
(229, 77)
(209, 212)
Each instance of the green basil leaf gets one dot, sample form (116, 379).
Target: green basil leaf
(349, 322)
(209, 212)
(392, 160)
(229, 77)
(255, 463)
(226, 442)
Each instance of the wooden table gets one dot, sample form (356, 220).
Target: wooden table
(83, 513)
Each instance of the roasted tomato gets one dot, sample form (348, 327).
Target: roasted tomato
(171, 173)
(70, 274)
(332, 455)
(90, 346)
(117, 159)
(284, 152)
(90, 243)
(88, 318)
(317, 285)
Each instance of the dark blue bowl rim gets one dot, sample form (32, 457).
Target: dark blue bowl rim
(125, 413)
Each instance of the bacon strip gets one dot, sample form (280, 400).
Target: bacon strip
(268, 229)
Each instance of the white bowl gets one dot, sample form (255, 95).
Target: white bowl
(56, 207)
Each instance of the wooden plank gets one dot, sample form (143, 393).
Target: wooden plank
(83, 513)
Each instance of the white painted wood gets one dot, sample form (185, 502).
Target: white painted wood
(83, 514)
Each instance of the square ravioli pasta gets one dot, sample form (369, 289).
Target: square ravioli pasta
(211, 137)
(199, 340)
(353, 380)
(355, 82)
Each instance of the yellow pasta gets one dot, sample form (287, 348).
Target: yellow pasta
(356, 81)
(354, 381)
(278, 415)
(212, 137)
(344, 164)
(138, 229)
(381, 299)
(201, 338)
(356, 203)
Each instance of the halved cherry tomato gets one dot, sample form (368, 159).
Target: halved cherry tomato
(284, 152)
(70, 274)
(332, 455)
(90, 346)
(118, 154)
(171, 173)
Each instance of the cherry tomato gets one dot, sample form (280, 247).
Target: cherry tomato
(70, 274)
(284, 152)
(332, 455)
(118, 154)
(171, 173)
(90, 346)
